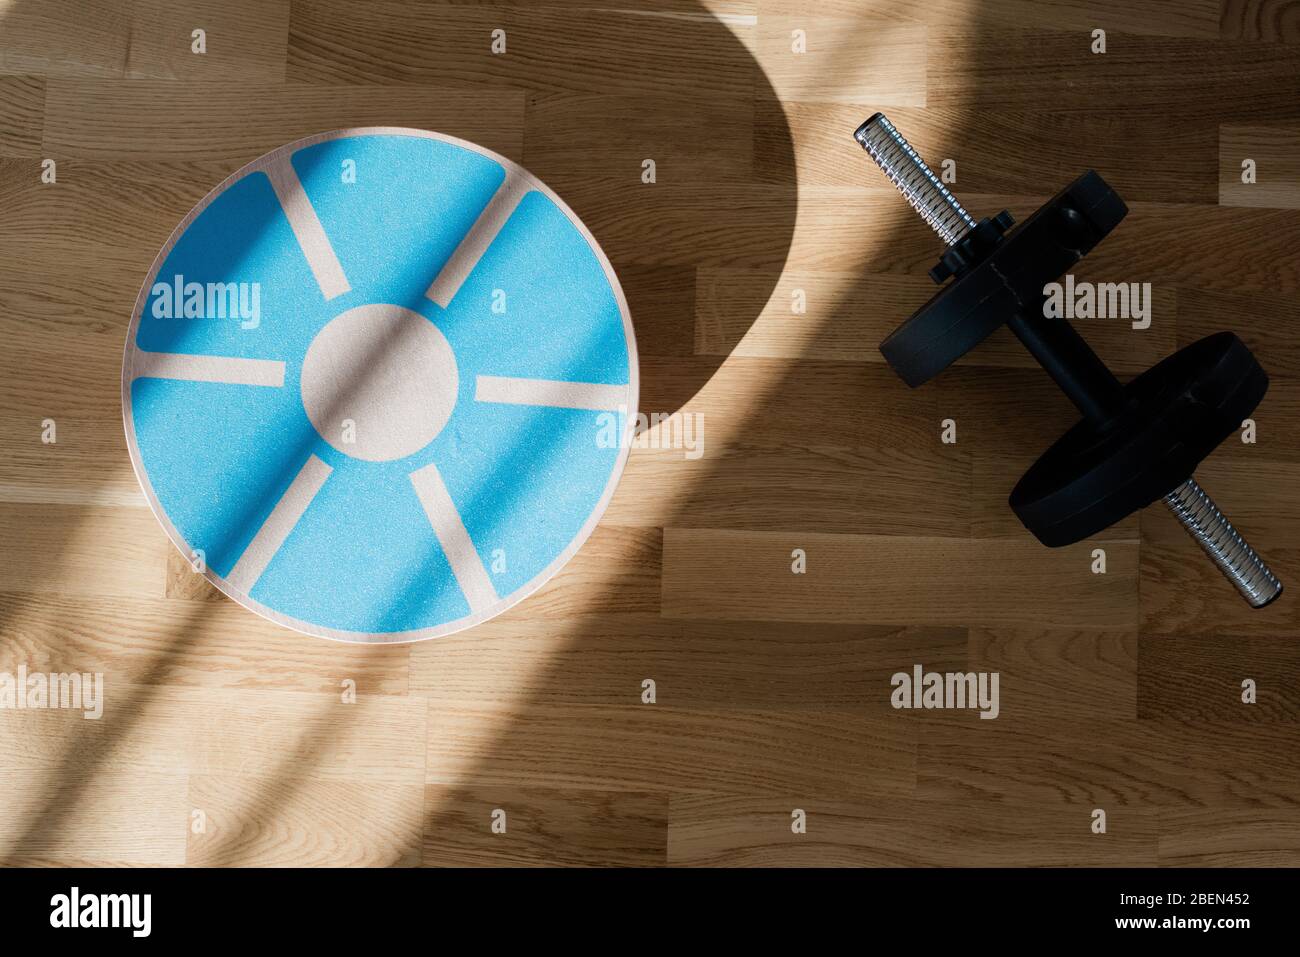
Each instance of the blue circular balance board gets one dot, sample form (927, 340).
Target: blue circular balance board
(379, 385)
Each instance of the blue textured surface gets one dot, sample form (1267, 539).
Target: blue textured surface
(525, 479)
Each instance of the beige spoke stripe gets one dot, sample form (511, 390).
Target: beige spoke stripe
(480, 236)
(454, 538)
(549, 392)
(307, 228)
(171, 365)
(286, 514)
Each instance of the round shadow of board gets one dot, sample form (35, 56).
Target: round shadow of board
(379, 385)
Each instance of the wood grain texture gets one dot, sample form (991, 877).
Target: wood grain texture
(544, 827)
(136, 818)
(237, 121)
(66, 38)
(1270, 21)
(815, 58)
(1218, 78)
(698, 665)
(546, 50)
(767, 495)
(249, 40)
(888, 579)
(1276, 176)
(1160, 18)
(1105, 762)
(22, 112)
(744, 831)
(136, 641)
(1011, 150)
(800, 319)
(296, 823)
(675, 692)
(1221, 838)
(1203, 677)
(637, 747)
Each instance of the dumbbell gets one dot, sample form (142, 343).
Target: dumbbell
(1137, 442)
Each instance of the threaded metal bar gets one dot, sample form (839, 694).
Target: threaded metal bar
(909, 174)
(1224, 544)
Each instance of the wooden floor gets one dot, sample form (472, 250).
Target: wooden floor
(226, 739)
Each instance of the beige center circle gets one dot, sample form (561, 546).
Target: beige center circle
(379, 382)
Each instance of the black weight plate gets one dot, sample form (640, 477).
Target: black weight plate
(960, 315)
(1176, 413)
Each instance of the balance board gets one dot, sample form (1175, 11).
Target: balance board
(379, 385)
